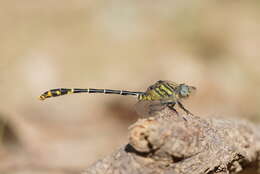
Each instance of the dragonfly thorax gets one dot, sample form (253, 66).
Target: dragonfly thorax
(159, 91)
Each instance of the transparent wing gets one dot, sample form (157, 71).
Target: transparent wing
(148, 108)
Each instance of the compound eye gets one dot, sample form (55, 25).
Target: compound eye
(184, 91)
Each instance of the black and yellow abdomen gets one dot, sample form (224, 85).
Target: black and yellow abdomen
(65, 91)
(59, 92)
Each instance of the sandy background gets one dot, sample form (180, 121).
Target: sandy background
(119, 45)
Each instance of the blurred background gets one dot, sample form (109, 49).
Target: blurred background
(128, 45)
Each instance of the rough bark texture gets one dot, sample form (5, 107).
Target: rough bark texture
(169, 144)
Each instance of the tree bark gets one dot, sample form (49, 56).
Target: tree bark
(172, 144)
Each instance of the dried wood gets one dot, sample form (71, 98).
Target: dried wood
(171, 144)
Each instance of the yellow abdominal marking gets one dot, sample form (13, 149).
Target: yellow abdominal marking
(49, 94)
(70, 91)
(41, 97)
(58, 92)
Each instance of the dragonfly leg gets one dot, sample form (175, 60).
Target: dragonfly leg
(186, 110)
(171, 106)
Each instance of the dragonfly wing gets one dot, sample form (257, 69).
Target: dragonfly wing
(149, 108)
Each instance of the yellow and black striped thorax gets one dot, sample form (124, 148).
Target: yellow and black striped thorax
(159, 91)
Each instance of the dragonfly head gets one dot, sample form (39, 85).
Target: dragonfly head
(184, 91)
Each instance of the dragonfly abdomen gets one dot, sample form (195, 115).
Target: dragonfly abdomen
(65, 91)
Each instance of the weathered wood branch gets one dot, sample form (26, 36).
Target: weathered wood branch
(169, 144)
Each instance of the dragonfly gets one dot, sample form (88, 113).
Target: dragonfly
(158, 96)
